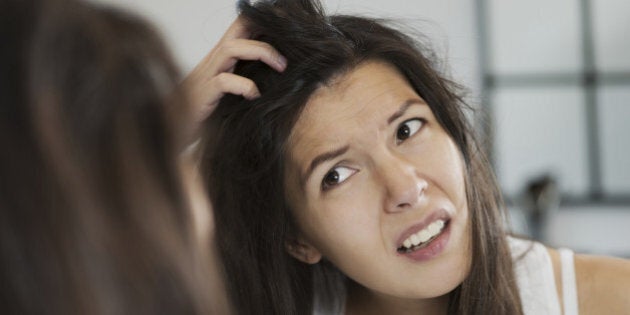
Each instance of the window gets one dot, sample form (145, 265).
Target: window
(556, 80)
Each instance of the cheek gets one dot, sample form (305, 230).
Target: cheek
(451, 172)
(340, 226)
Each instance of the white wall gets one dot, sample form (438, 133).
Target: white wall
(190, 27)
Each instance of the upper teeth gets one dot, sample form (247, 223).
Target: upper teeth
(424, 235)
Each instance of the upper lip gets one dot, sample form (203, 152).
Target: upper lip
(418, 226)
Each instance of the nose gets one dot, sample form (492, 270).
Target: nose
(404, 185)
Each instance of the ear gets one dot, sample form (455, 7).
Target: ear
(303, 251)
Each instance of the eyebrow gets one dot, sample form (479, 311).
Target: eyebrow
(327, 156)
(403, 108)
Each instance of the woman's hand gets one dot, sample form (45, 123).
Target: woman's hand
(213, 77)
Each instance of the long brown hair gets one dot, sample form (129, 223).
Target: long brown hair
(246, 152)
(93, 218)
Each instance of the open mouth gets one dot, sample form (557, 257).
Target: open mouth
(424, 237)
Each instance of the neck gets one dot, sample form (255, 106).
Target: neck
(361, 300)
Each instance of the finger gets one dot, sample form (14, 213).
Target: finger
(205, 95)
(246, 49)
(229, 83)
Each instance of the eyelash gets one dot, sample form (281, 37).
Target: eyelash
(422, 122)
(327, 186)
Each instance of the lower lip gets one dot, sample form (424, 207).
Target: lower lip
(434, 248)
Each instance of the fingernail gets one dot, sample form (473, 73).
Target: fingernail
(253, 96)
(282, 62)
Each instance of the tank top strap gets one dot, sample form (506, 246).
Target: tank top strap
(569, 287)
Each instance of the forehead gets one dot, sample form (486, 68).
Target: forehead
(353, 112)
(354, 100)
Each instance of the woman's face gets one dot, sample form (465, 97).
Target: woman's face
(377, 186)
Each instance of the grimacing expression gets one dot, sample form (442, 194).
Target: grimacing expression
(377, 186)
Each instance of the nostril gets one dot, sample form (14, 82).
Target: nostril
(406, 196)
(404, 205)
(403, 184)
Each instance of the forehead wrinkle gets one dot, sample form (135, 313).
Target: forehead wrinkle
(335, 89)
(331, 94)
(337, 96)
(307, 141)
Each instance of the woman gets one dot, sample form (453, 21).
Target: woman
(99, 211)
(354, 184)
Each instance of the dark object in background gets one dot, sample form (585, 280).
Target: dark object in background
(541, 199)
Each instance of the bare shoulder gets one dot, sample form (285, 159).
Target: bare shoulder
(603, 284)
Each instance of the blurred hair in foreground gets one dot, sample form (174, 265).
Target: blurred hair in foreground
(93, 214)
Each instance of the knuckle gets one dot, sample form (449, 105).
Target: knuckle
(227, 48)
(269, 51)
(222, 80)
(247, 86)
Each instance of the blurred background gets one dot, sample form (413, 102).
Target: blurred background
(550, 81)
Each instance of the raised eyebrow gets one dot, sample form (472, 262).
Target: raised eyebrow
(326, 156)
(403, 108)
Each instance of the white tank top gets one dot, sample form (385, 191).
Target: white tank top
(536, 281)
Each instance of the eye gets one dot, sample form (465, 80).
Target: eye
(408, 129)
(336, 176)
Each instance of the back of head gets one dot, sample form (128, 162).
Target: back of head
(246, 155)
(93, 219)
